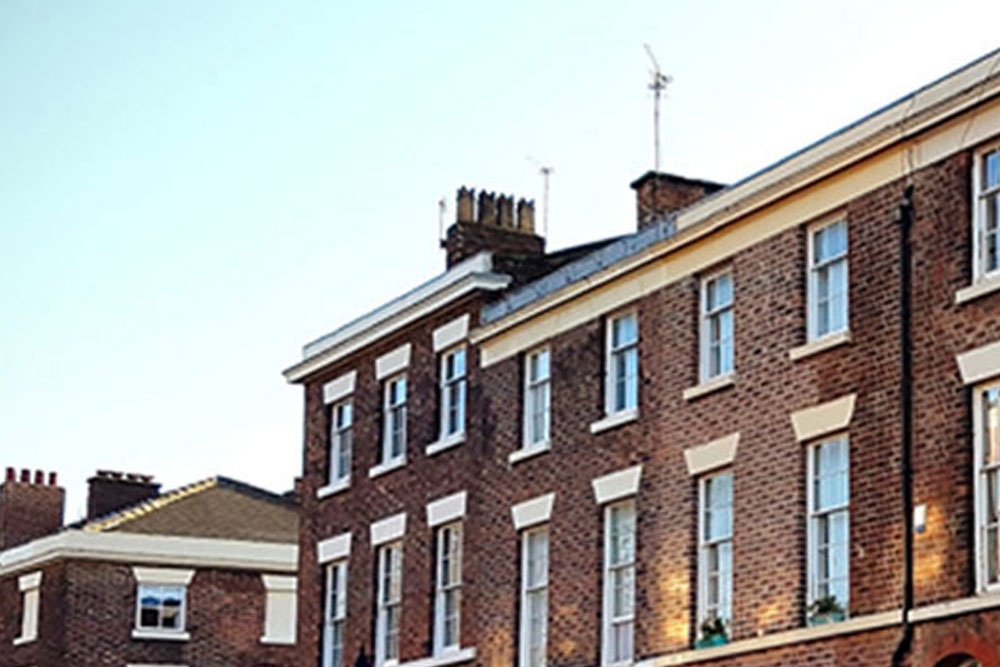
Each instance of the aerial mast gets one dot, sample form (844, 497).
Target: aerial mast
(657, 84)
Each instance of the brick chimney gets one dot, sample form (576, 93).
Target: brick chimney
(110, 491)
(657, 195)
(29, 508)
(495, 223)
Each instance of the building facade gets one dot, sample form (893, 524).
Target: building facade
(200, 576)
(751, 433)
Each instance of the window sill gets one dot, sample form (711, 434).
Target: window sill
(980, 287)
(278, 641)
(388, 466)
(614, 421)
(336, 487)
(21, 641)
(160, 635)
(529, 452)
(452, 657)
(445, 443)
(820, 345)
(709, 386)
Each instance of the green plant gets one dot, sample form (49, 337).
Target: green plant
(713, 627)
(825, 606)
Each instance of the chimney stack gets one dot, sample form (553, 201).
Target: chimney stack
(492, 222)
(111, 490)
(29, 510)
(657, 195)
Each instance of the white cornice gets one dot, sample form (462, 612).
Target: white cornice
(475, 273)
(152, 550)
(901, 120)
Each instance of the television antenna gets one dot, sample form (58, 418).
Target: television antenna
(546, 173)
(657, 84)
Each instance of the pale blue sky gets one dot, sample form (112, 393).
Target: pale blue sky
(191, 190)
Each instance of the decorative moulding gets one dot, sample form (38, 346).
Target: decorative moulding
(712, 455)
(443, 510)
(617, 485)
(981, 363)
(829, 417)
(532, 512)
(338, 388)
(388, 529)
(393, 362)
(333, 548)
(452, 333)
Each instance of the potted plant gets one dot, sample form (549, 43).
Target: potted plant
(713, 633)
(825, 610)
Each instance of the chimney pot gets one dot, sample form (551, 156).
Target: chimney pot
(465, 210)
(487, 208)
(39, 477)
(53, 479)
(11, 474)
(526, 216)
(25, 475)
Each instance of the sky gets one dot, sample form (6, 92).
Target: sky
(190, 191)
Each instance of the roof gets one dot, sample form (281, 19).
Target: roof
(892, 123)
(217, 507)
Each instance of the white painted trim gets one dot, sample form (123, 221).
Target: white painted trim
(964, 605)
(273, 582)
(388, 466)
(617, 485)
(710, 386)
(152, 550)
(823, 419)
(151, 665)
(333, 548)
(453, 440)
(712, 455)
(778, 639)
(704, 378)
(979, 364)
(532, 512)
(388, 529)
(342, 484)
(858, 159)
(811, 284)
(450, 334)
(394, 362)
(280, 610)
(447, 509)
(338, 388)
(160, 635)
(29, 582)
(823, 344)
(163, 576)
(453, 657)
(614, 421)
(475, 273)
(528, 452)
(979, 288)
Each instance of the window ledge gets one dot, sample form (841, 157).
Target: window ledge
(21, 641)
(614, 421)
(978, 288)
(282, 641)
(529, 452)
(820, 345)
(441, 445)
(160, 635)
(452, 657)
(336, 487)
(388, 466)
(709, 386)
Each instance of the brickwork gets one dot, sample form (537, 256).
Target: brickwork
(658, 194)
(29, 509)
(769, 470)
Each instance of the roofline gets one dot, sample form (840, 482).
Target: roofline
(152, 550)
(651, 174)
(475, 273)
(148, 506)
(908, 116)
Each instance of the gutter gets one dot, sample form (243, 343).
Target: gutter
(906, 415)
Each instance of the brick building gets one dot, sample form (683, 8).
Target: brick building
(764, 429)
(203, 575)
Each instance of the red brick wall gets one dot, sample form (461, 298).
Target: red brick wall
(769, 470)
(88, 613)
(28, 511)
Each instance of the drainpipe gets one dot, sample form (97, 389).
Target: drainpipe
(906, 415)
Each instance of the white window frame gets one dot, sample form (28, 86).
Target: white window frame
(341, 433)
(29, 586)
(705, 347)
(334, 612)
(812, 538)
(531, 386)
(388, 407)
(983, 584)
(180, 628)
(812, 302)
(529, 591)
(459, 381)
(704, 546)
(611, 352)
(386, 605)
(608, 621)
(443, 587)
(979, 271)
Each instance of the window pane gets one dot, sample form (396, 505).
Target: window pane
(991, 426)
(991, 170)
(632, 379)
(992, 560)
(622, 642)
(624, 331)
